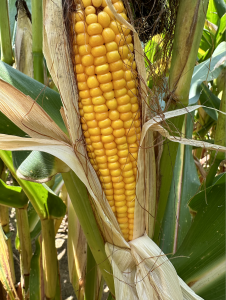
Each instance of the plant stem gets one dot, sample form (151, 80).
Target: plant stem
(91, 276)
(25, 243)
(49, 258)
(80, 201)
(5, 38)
(37, 25)
(188, 32)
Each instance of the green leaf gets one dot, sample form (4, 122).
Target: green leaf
(207, 71)
(35, 274)
(200, 261)
(212, 14)
(48, 99)
(37, 166)
(12, 196)
(177, 219)
(220, 35)
(208, 99)
(44, 201)
(220, 7)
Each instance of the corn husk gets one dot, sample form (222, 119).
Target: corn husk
(140, 269)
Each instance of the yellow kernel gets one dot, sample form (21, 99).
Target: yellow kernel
(128, 124)
(130, 179)
(124, 16)
(104, 172)
(78, 16)
(87, 60)
(104, 19)
(76, 49)
(120, 140)
(130, 221)
(90, 70)
(107, 138)
(98, 145)
(106, 179)
(100, 108)
(129, 75)
(105, 123)
(82, 39)
(106, 87)
(101, 116)
(125, 230)
(126, 116)
(131, 139)
(104, 4)
(111, 46)
(130, 186)
(97, 3)
(117, 179)
(79, 69)
(103, 166)
(120, 92)
(119, 203)
(95, 92)
(119, 132)
(117, 74)
(109, 146)
(114, 115)
(80, 27)
(94, 131)
(121, 209)
(96, 40)
(135, 107)
(113, 165)
(123, 51)
(111, 104)
(126, 167)
(113, 158)
(100, 60)
(94, 28)
(118, 185)
(77, 59)
(123, 100)
(117, 124)
(86, 3)
(98, 51)
(88, 108)
(121, 39)
(95, 139)
(133, 100)
(131, 226)
(115, 66)
(111, 202)
(98, 100)
(125, 225)
(119, 7)
(130, 57)
(111, 152)
(92, 82)
(123, 153)
(127, 173)
(84, 94)
(133, 147)
(102, 69)
(108, 35)
(81, 77)
(133, 92)
(105, 78)
(107, 131)
(90, 10)
(122, 147)
(115, 172)
(131, 216)
(100, 152)
(130, 84)
(92, 18)
(108, 11)
(114, 25)
(119, 84)
(113, 56)
(109, 192)
(123, 220)
(82, 86)
(119, 191)
(124, 108)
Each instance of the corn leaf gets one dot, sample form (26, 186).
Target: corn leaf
(12, 196)
(177, 218)
(36, 284)
(207, 71)
(202, 266)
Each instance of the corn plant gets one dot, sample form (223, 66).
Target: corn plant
(119, 128)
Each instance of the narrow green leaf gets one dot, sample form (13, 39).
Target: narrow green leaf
(200, 261)
(220, 35)
(12, 196)
(220, 7)
(35, 273)
(212, 14)
(91, 276)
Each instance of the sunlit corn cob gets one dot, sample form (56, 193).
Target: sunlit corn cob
(106, 77)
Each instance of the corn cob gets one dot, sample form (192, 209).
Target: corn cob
(106, 77)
